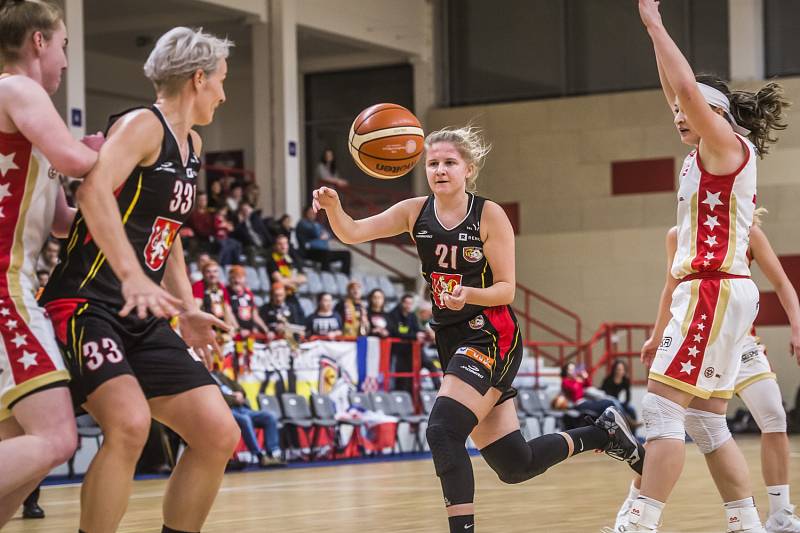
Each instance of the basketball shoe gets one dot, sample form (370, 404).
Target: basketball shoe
(622, 445)
(784, 521)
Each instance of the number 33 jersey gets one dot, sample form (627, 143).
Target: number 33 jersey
(450, 257)
(154, 202)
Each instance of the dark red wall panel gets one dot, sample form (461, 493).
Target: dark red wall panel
(643, 175)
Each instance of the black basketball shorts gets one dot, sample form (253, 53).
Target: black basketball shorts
(99, 345)
(484, 352)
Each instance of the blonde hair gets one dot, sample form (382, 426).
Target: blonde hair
(20, 18)
(469, 142)
(758, 215)
(181, 52)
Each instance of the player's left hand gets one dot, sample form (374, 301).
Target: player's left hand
(455, 300)
(197, 330)
(648, 11)
(795, 347)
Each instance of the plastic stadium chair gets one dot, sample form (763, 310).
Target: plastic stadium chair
(532, 403)
(307, 306)
(314, 282)
(252, 278)
(87, 429)
(387, 287)
(428, 398)
(298, 415)
(404, 410)
(362, 399)
(341, 282)
(263, 276)
(329, 283)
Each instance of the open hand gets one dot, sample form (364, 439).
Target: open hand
(648, 11)
(197, 330)
(145, 296)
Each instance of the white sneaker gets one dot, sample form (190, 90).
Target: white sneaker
(784, 521)
(622, 516)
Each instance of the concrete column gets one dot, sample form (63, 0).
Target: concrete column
(285, 107)
(424, 88)
(263, 139)
(75, 79)
(746, 38)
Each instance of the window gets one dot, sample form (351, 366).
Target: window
(782, 37)
(524, 49)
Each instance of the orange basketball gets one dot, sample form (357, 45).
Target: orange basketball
(386, 141)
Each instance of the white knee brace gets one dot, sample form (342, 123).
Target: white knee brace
(663, 418)
(708, 430)
(763, 400)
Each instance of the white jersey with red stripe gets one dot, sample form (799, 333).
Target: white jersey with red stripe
(714, 217)
(29, 357)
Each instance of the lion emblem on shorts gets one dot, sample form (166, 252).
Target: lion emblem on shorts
(473, 254)
(709, 372)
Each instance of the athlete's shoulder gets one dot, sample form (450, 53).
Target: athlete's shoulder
(197, 141)
(22, 92)
(137, 122)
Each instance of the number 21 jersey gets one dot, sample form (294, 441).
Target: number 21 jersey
(154, 202)
(452, 257)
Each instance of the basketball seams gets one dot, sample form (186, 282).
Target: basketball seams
(389, 107)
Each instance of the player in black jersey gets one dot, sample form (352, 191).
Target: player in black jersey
(110, 312)
(466, 245)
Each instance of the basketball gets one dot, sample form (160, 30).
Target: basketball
(386, 141)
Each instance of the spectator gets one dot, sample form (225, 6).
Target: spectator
(353, 311)
(325, 322)
(575, 385)
(285, 226)
(229, 248)
(42, 276)
(216, 197)
(212, 297)
(197, 277)
(616, 383)
(282, 267)
(243, 303)
(249, 419)
(403, 325)
(314, 241)
(326, 173)
(377, 317)
(234, 198)
(251, 194)
(48, 259)
(278, 313)
(250, 230)
(201, 221)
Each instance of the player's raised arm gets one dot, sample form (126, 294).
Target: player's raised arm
(393, 221)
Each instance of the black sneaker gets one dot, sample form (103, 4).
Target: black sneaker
(32, 510)
(623, 445)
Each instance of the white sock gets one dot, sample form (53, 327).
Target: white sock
(633, 493)
(650, 501)
(741, 504)
(778, 498)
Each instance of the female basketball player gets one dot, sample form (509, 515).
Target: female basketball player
(127, 363)
(37, 426)
(466, 245)
(755, 384)
(715, 301)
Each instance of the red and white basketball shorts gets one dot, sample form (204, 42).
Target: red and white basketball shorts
(29, 356)
(702, 347)
(754, 365)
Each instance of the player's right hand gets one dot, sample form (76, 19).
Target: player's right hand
(648, 11)
(649, 350)
(94, 141)
(324, 198)
(142, 294)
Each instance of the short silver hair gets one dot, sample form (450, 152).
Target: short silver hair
(180, 52)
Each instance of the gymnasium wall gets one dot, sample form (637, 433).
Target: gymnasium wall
(599, 254)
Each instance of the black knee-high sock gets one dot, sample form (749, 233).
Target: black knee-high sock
(462, 523)
(587, 438)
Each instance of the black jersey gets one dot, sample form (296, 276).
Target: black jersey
(452, 257)
(154, 202)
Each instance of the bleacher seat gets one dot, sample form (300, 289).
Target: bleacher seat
(341, 282)
(387, 287)
(370, 282)
(329, 283)
(314, 285)
(428, 398)
(263, 276)
(253, 281)
(531, 401)
(298, 414)
(307, 305)
(362, 399)
(258, 300)
(404, 410)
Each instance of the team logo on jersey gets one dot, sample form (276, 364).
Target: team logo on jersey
(441, 283)
(473, 254)
(478, 322)
(709, 372)
(161, 238)
(476, 355)
(423, 234)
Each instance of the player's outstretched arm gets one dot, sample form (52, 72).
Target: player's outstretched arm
(134, 139)
(718, 139)
(664, 302)
(37, 119)
(770, 265)
(394, 221)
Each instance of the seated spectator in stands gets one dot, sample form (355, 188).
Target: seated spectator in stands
(326, 173)
(353, 311)
(197, 276)
(285, 226)
(403, 324)
(201, 221)
(314, 242)
(234, 198)
(249, 419)
(243, 304)
(283, 267)
(325, 322)
(48, 258)
(216, 196)
(577, 388)
(616, 383)
(377, 317)
(252, 194)
(278, 312)
(229, 249)
(250, 231)
(212, 296)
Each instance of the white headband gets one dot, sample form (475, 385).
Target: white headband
(718, 99)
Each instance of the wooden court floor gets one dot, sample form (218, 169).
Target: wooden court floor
(581, 495)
